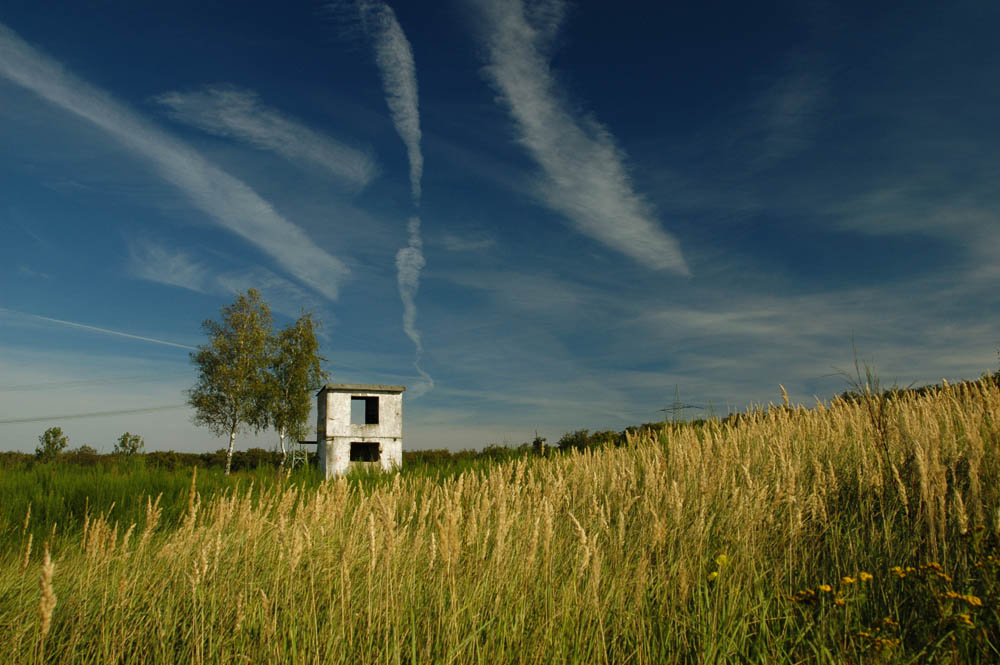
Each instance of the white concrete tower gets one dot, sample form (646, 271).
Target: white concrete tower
(359, 424)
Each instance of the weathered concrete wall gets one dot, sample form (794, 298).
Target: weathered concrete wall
(321, 451)
(338, 415)
(339, 453)
(335, 432)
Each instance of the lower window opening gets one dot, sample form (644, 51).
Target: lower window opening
(364, 452)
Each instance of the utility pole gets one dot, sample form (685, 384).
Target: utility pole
(676, 408)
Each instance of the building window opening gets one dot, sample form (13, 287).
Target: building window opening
(364, 452)
(364, 410)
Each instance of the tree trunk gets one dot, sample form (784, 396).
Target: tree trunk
(229, 454)
(284, 453)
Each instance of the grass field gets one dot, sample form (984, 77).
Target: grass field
(858, 532)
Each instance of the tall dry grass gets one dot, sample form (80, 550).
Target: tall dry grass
(684, 549)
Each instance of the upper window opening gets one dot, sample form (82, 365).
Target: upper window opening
(364, 410)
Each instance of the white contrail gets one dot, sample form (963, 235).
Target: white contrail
(394, 58)
(586, 178)
(104, 331)
(235, 113)
(232, 203)
(409, 262)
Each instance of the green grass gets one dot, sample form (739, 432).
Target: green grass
(60, 494)
(786, 536)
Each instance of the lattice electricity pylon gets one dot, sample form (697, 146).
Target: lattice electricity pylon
(298, 455)
(676, 408)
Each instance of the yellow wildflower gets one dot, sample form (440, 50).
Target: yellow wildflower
(721, 560)
(847, 580)
(712, 576)
(825, 588)
(865, 577)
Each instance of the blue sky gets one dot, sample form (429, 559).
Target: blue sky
(536, 215)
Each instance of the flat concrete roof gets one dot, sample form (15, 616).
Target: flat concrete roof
(362, 387)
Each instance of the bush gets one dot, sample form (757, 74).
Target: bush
(578, 440)
(606, 438)
(51, 443)
(129, 444)
(168, 460)
(83, 456)
(13, 459)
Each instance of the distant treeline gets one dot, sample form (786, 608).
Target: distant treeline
(86, 456)
(257, 458)
(582, 439)
(921, 391)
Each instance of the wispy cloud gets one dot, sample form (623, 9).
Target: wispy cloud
(156, 262)
(787, 114)
(409, 263)
(103, 331)
(34, 274)
(399, 79)
(586, 177)
(237, 113)
(394, 58)
(472, 243)
(229, 201)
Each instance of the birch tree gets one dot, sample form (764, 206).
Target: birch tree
(294, 373)
(230, 394)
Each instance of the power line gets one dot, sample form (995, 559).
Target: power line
(94, 414)
(676, 409)
(46, 385)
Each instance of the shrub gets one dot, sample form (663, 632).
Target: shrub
(51, 443)
(129, 444)
(83, 456)
(578, 440)
(165, 459)
(606, 438)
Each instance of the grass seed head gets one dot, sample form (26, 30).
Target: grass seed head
(47, 602)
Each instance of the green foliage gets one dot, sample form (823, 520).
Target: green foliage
(59, 494)
(82, 456)
(13, 459)
(771, 539)
(578, 440)
(294, 372)
(129, 444)
(251, 378)
(231, 392)
(939, 615)
(50, 444)
(582, 439)
(867, 388)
